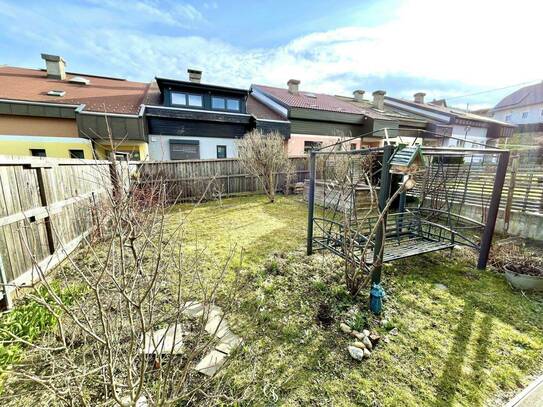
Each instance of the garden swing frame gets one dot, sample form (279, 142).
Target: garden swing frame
(439, 229)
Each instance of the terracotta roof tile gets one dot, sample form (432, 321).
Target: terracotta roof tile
(102, 94)
(309, 100)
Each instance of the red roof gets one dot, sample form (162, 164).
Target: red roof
(309, 100)
(101, 94)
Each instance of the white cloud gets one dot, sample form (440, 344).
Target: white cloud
(472, 44)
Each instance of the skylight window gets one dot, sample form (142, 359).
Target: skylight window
(311, 95)
(79, 80)
(58, 93)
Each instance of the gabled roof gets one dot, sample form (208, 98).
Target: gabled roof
(308, 100)
(449, 112)
(388, 113)
(101, 94)
(528, 95)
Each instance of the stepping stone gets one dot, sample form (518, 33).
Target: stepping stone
(228, 342)
(211, 363)
(195, 309)
(217, 325)
(165, 341)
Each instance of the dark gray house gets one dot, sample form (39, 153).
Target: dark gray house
(191, 120)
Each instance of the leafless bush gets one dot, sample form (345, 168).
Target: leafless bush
(265, 157)
(516, 257)
(138, 279)
(344, 174)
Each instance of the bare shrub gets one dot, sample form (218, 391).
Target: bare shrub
(265, 157)
(516, 257)
(138, 278)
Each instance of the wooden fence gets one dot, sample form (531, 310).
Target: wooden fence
(46, 207)
(193, 179)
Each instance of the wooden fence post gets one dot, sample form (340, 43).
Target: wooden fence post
(44, 203)
(510, 192)
(8, 302)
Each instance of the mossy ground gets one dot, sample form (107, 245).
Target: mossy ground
(470, 344)
(473, 343)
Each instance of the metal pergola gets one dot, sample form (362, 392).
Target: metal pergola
(427, 218)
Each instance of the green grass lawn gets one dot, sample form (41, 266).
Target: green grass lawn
(473, 343)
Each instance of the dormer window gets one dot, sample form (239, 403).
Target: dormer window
(186, 99)
(218, 103)
(195, 100)
(221, 103)
(232, 104)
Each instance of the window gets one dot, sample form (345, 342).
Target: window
(221, 103)
(186, 99)
(353, 146)
(525, 115)
(232, 104)
(195, 100)
(218, 103)
(221, 151)
(38, 152)
(184, 149)
(179, 98)
(77, 154)
(507, 117)
(310, 145)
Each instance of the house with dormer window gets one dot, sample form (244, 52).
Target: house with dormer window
(190, 120)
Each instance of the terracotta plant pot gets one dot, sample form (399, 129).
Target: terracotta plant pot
(524, 282)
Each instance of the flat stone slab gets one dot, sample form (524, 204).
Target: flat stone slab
(211, 363)
(228, 342)
(217, 325)
(165, 341)
(195, 309)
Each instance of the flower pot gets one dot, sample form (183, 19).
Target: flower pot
(523, 281)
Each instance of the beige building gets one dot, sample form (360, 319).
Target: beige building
(51, 112)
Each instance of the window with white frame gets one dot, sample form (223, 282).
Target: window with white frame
(179, 98)
(222, 103)
(507, 117)
(525, 115)
(186, 99)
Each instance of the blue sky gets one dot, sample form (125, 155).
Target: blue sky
(445, 48)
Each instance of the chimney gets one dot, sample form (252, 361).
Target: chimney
(358, 95)
(55, 66)
(293, 86)
(379, 99)
(419, 97)
(195, 75)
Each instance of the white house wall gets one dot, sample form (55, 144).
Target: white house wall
(159, 146)
(468, 133)
(535, 114)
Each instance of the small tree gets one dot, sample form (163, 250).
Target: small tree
(265, 157)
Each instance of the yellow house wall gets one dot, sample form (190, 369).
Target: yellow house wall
(58, 147)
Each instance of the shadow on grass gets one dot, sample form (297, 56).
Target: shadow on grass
(452, 370)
